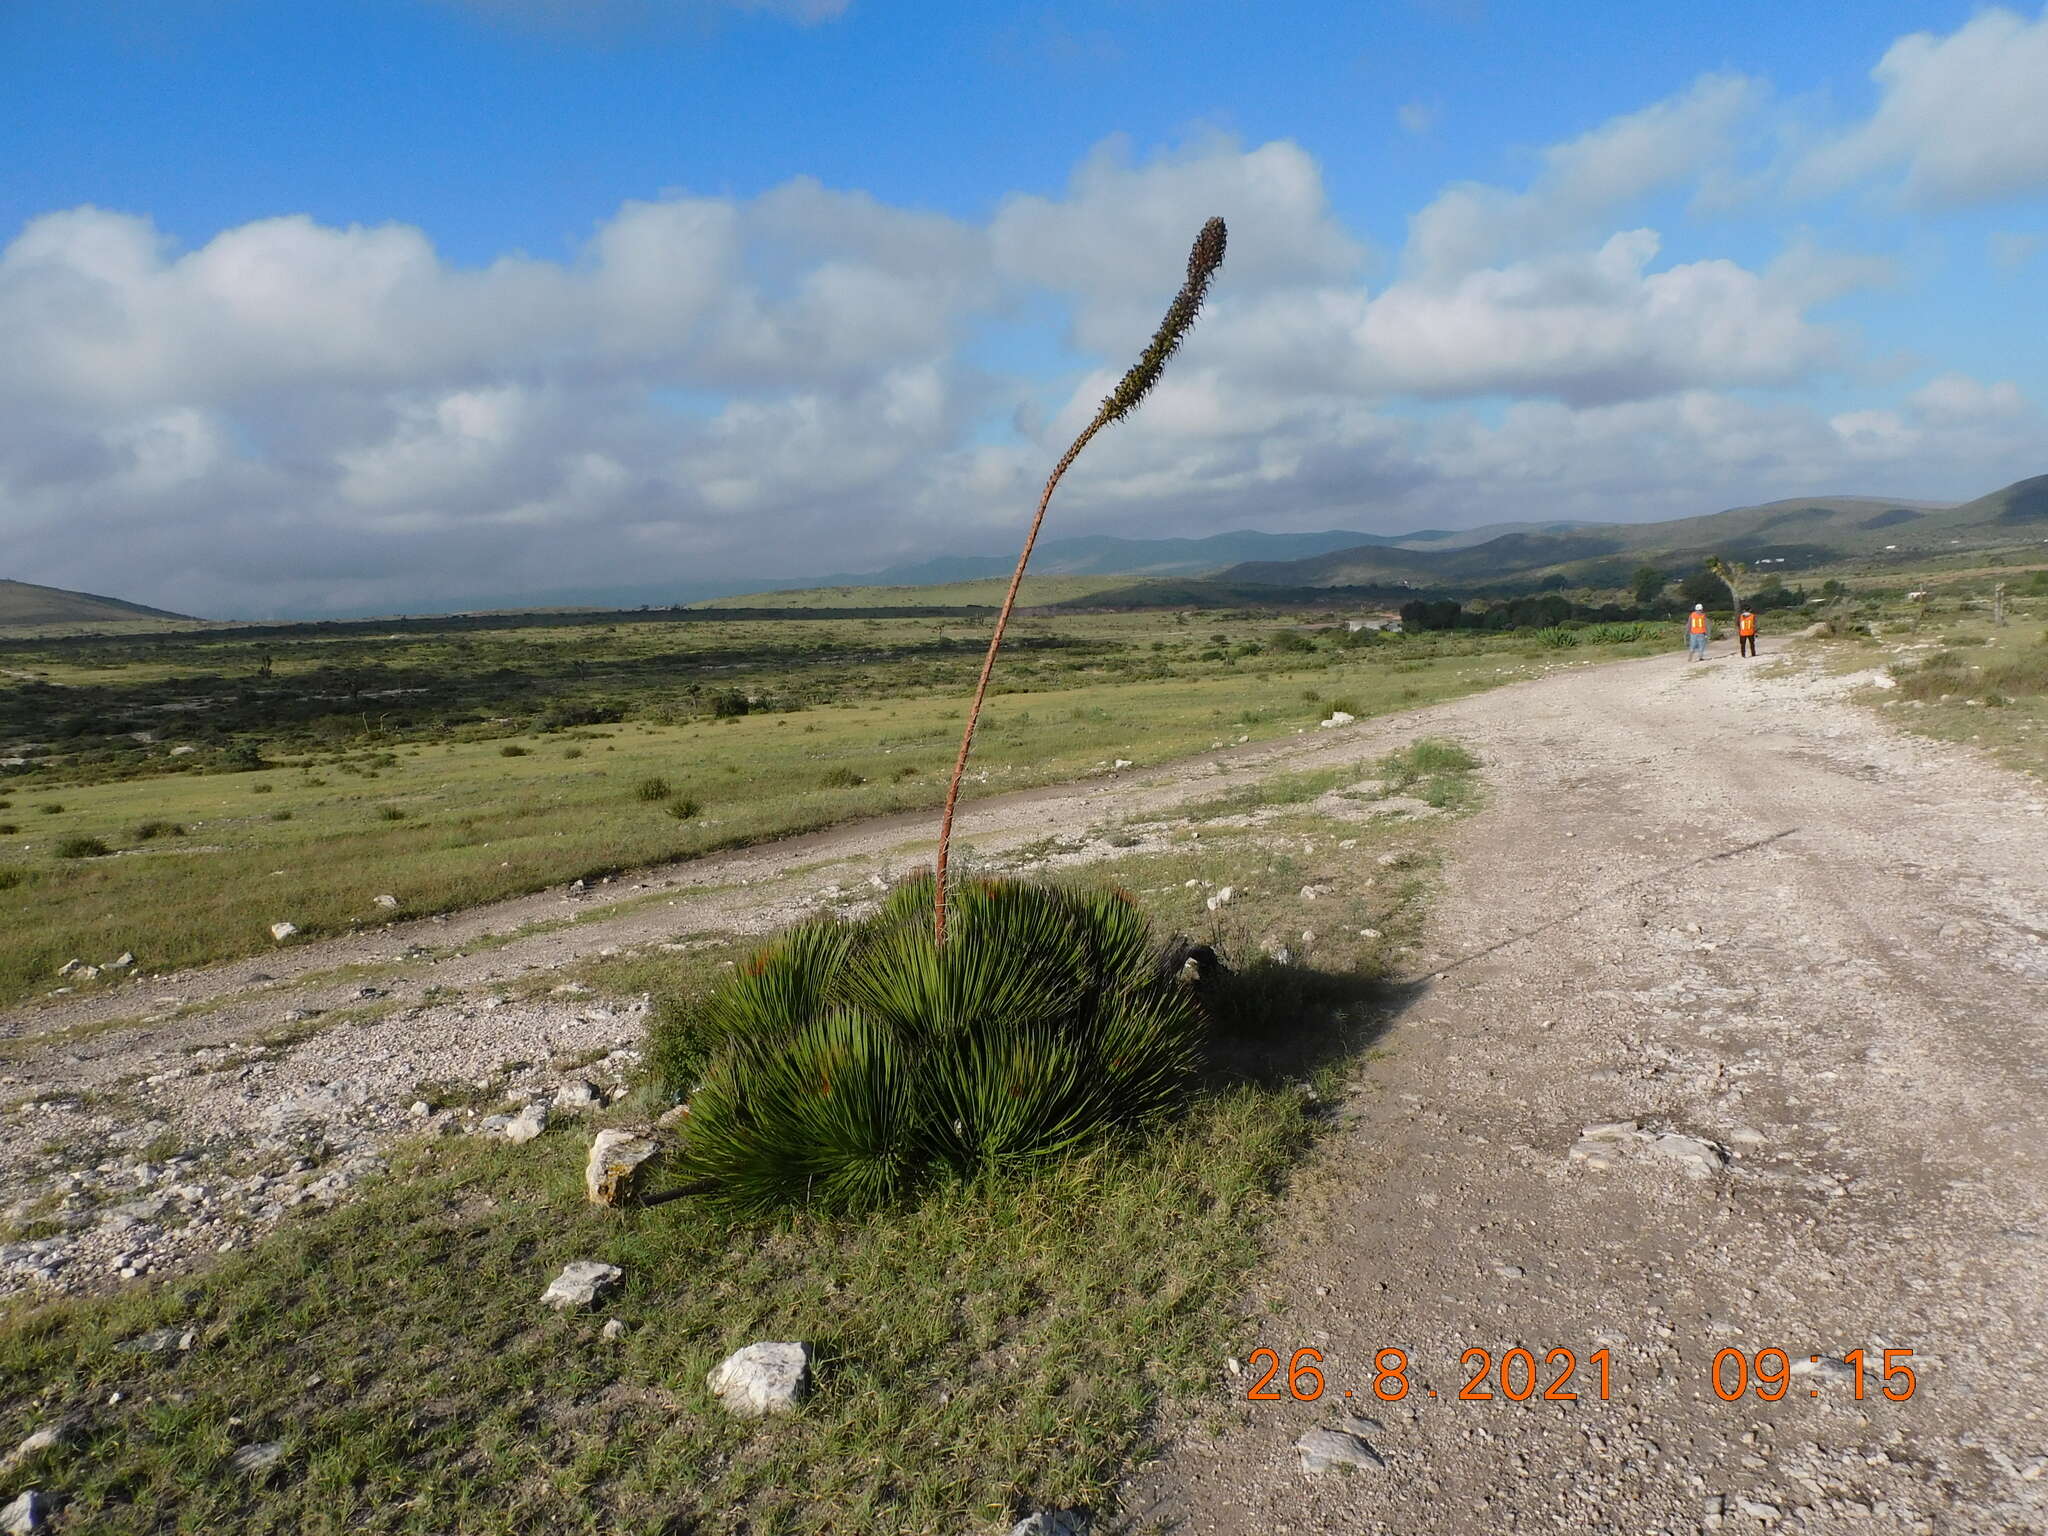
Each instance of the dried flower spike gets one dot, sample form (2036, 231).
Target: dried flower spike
(1203, 260)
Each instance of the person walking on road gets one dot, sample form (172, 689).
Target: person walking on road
(1745, 633)
(1696, 633)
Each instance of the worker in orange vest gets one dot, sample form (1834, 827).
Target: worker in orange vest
(1696, 633)
(1745, 632)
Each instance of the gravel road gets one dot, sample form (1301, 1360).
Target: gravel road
(1791, 969)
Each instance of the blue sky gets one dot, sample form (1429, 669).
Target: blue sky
(408, 303)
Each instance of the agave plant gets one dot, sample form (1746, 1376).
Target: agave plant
(1203, 261)
(848, 1063)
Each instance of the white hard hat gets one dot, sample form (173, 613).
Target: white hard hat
(1699, 607)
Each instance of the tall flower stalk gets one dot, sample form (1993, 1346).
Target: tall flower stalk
(1203, 261)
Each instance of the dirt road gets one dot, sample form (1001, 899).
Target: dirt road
(1714, 903)
(1791, 966)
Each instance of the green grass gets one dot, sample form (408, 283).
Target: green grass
(986, 1349)
(474, 826)
(1985, 685)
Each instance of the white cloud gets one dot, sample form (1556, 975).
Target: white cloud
(1964, 117)
(1665, 144)
(298, 417)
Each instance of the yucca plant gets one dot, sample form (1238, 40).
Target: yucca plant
(849, 1063)
(1203, 261)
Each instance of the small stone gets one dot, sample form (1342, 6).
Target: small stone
(761, 1379)
(1222, 898)
(24, 1514)
(613, 1329)
(575, 1094)
(386, 901)
(48, 1438)
(611, 1176)
(259, 1456)
(68, 967)
(1696, 1158)
(1826, 1368)
(420, 1109)
(1756, 1509)
(581, 1284)
(1054, 1522)
(283, 931)
(154, 1342)
(121, 961)
(1324, 1450)
(527, 1124)
(1509, 1271)
(1337, 717)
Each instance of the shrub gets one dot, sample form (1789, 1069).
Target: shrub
(730, 704)
(6, 805)
(511, 749)
(1616, 634)
(10, 878)
(262, 789)
(850, 1063)
(685, 809)
(841, 778)
(81, 848)
(1557, 639)
(1347, 705)
(908, 771)
(1289, 640)
(280, 815)
(573, 753)
(390, 813)
(51, 808)
(146, 830)
(8, 829)
(653, 787)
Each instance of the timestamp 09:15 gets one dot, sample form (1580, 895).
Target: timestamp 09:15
(1515, 1373)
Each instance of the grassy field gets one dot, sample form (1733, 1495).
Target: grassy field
(1956, 673)
(182, 859)
(985, 1351)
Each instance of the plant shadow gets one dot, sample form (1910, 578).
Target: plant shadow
(1274, 1021)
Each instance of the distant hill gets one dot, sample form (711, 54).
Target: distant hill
(1797, 533)
(23, 603)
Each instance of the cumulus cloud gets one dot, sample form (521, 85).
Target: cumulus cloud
(295, 417)
(1665, 144)
(1962, 118)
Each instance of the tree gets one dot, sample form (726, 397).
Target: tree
(1203, 261)
(1732, 576)
(1647, 585)
(1701, 586)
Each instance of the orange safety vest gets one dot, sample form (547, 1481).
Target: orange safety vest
(1747, 625)
(1698, 624)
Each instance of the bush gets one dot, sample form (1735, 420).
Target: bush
(685, 809)
(841, 778)
(730, 704)
(1557, 639)
(262, 789)
(849, 1064)
(280, 815)
(81, 848)
(146, 830)
(1289, 640)
(573, 753)
(8, 829)
(390, 813)
(511, 750)
(1617, 634)
(654, 787)
(10, 878)
(51, 808)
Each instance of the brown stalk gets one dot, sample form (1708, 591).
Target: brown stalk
(1203, 261)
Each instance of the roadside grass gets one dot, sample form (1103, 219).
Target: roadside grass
(1981, 684)
(987, 1350)
(474, 826)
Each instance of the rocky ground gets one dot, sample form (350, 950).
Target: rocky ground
(1729, 1039)
(1732, 1041)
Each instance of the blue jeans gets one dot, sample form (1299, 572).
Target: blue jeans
(1695, 645)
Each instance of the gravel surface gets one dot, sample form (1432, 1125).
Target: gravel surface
(1731, 1040)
